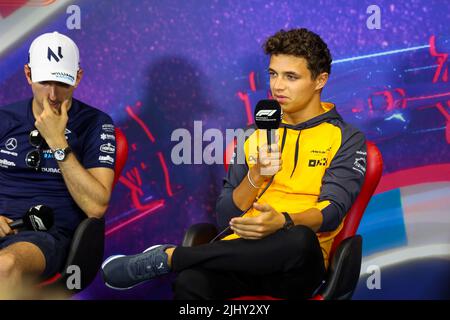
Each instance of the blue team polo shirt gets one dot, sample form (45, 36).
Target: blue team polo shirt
(90, 134)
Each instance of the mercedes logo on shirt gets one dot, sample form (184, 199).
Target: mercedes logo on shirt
(11, 144)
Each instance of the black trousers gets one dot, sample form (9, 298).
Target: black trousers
(286, 264)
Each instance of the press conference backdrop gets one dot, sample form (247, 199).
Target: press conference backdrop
(156, 66)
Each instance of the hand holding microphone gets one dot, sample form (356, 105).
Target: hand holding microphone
(267, 164)
(5, 229)
(37, 218)
(268, 119)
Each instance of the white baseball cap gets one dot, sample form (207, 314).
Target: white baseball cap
(54, 57)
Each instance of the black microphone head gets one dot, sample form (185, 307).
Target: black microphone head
(38, 218)
(268, 114)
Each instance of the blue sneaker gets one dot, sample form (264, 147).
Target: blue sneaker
(122, 272)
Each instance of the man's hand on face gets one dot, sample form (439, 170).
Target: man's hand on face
(258, 227)
(52, 123)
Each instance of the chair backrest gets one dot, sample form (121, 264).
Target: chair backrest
(121, 154)
(353, 217)
(346, 251)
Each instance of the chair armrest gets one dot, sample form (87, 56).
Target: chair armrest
(199, 233)
(344, 270)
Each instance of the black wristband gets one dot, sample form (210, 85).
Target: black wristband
(288, 223)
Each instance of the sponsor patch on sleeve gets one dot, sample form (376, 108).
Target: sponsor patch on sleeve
(107, 148)
(360, 162)
(106, 159)
(107, 136)
(108, 127)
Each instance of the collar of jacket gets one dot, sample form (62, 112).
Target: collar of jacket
(328, 115)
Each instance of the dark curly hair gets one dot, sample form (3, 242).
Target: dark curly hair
(301, 43)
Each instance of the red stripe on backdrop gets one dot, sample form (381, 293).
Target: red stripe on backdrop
(408, 177)
(9, 6)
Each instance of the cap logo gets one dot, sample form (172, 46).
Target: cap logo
(51, 54)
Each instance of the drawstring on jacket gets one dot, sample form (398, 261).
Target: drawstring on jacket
(283, 141)
(296, 153)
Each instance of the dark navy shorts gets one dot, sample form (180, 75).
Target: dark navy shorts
(54, 246)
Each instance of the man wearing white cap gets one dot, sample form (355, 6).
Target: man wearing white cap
(54, 151)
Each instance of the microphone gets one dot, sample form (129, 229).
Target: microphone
(37, 218)
(268, 117)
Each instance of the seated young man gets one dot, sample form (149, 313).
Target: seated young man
(279, 247)
(51, 154)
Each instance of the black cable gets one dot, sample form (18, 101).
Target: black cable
(256, 199)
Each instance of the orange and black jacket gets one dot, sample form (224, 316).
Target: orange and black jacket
(324, 162)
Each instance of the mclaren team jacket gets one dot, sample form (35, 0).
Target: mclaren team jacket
(324, 162)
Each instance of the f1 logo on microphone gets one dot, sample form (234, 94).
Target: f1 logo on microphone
(267, 113)
(51, 54)
(37, 223)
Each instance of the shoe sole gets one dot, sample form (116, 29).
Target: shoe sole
(119, 256)
(152, 247)
(108, 261)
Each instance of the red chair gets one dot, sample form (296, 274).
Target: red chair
(346, 252)
(86, 250)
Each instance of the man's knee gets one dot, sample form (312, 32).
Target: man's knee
(303, 231)
(22, 258)
(302, 238)
(192, 284)
(8, 265)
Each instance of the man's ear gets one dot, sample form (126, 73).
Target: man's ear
(321, 80)
(27, 71)
(79, 77)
